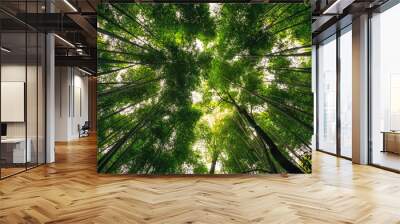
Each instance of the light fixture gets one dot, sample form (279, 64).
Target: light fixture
(70, 5)
(5, 50)
(86, 72)
(65, 41)
(79, 51)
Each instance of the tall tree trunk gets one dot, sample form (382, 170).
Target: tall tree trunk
(114, 70)
(127, 87)
(214, 162)
(292, 49)
(269, 143)
(275, 152)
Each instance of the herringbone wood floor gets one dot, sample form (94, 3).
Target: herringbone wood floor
(70, 191)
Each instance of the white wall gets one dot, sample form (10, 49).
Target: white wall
(16, 73)
(12, 73)
(62, 81)
(71, 102)
(80, 104)
(34, 126)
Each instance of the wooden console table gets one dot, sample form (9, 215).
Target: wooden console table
(391, 141)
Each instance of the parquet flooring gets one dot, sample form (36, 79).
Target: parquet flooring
(11, 170)
(70, 191)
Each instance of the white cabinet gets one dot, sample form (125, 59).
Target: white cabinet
(19, 154)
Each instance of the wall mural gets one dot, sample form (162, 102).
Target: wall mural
(204, 88)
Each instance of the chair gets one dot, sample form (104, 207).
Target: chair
(84, 130)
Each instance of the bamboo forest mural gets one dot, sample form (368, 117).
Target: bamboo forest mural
(204, 88)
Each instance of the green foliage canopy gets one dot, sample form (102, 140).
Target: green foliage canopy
(204, 88)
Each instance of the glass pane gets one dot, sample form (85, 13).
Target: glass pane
(327, 95)
(13, 86)
(41, 99)
(31, 98)
(23, 89)
(385, 84)
(346, 92)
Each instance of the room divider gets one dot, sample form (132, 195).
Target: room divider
(22, 77)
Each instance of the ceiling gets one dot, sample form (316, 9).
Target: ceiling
(329, 15)
(74, 22)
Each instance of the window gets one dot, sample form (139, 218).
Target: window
(346, 92)
(327, 95)
(385, 89)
